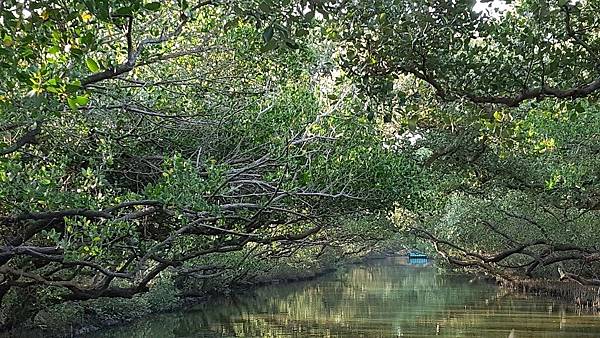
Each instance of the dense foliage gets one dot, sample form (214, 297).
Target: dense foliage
(145, 138)
(209, 143)
(504, 97)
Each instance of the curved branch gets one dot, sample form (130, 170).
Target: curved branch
(28, 138)
(538, 93)
(580, 91)
(133, 55)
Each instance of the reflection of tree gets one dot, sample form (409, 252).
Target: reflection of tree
(374, 300)
(379, 297)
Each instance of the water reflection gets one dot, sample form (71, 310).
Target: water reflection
(381, 299)
(420, 261)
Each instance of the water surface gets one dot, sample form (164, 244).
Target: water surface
(379, 299)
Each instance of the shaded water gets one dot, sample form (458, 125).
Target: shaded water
(378, 299)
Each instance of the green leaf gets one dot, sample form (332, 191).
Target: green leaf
(498, 116)
(82, 100)
(54, 50)
(153, 6)
(124, 11)
(7, 41)
(269, 46)
(92, 65)
(268, 34)
(573, 117)
(412, 123)
(72, 102)
(73, 86)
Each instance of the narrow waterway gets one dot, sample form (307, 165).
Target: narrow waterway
(384, 298)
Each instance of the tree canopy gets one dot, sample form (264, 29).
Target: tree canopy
(206, 138)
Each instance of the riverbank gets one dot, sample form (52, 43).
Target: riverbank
(582, 296)
(75, 319)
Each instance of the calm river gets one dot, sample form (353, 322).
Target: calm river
(379, 299)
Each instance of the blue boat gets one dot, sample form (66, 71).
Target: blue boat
(417, 254)
(417, 258)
